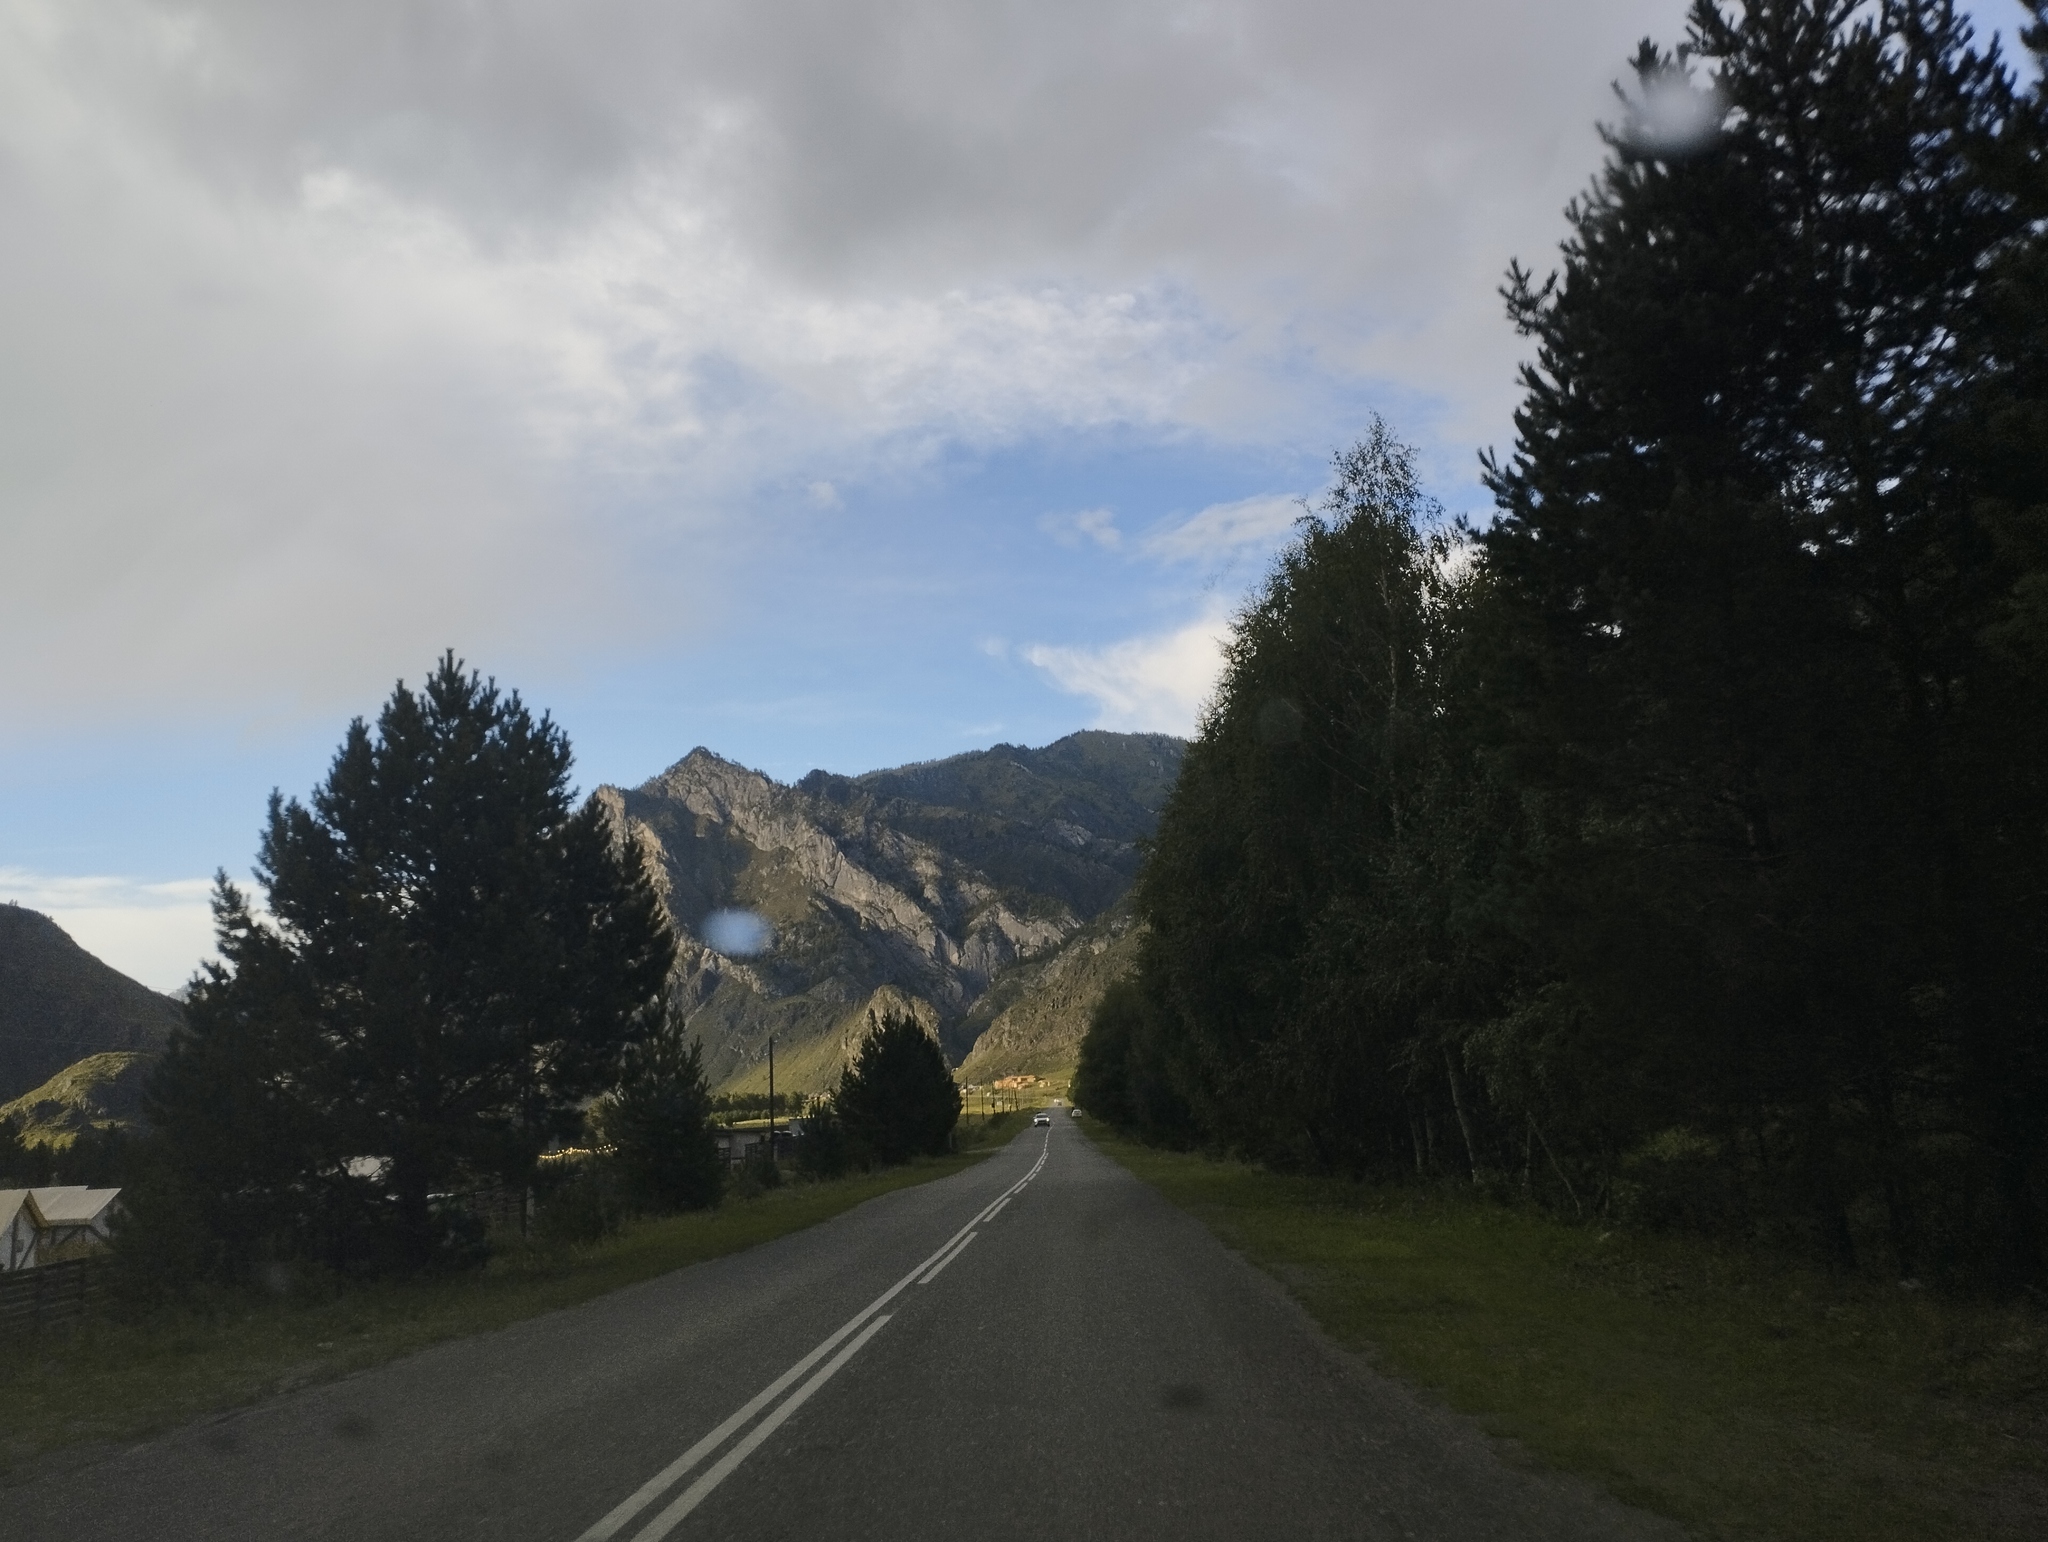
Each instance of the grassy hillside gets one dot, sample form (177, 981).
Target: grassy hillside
(812, 1064)
(97, 1091)
(59, 1004)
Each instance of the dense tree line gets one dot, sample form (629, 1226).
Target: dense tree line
(1677, 845)
(98, 1156)
(729, 1106)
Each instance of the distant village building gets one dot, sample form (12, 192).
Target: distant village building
(740, 1142)
(49, 1225)
(1014, 1083)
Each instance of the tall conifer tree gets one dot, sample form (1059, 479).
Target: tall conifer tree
(453, 959)
(1749, 521)
(897, 1100)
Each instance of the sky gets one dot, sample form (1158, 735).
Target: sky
(830, 384)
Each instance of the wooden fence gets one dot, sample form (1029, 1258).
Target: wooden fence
(31, 1298)
(509, 1209)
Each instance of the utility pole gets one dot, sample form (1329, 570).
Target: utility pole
(771, 1099)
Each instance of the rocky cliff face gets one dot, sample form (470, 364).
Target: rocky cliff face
(1037, 1012)
(928, 881)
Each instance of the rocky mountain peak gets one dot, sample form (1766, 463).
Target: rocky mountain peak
(926, 881)
(712, 785)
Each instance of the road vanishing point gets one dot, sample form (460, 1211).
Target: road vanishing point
(1038, 1346)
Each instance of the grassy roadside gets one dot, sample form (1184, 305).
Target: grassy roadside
(1736, 1395)
(111, 1379)
(983, 1132)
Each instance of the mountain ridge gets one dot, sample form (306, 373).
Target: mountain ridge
(59, 1004)
(931, 879)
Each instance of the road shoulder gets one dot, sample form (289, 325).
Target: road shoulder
(78, 1392)
(1735, 1403)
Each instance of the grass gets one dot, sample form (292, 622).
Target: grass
(981, 1132)
(1736, 1394)
(54, 1113)
(118, 1378)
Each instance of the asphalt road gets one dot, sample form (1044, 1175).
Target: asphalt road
(1038, 1346)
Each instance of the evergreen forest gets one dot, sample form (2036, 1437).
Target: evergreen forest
(1671, 847)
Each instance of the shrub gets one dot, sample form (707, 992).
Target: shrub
(585, 1207)
(823, 1151)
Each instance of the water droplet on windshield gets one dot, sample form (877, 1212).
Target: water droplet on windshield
(739, 933)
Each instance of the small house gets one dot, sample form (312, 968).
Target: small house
(76, 1219)
(739, 1143)
(48, 1225)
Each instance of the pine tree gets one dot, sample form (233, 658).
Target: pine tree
(454, 957)
(1751, 528)
(897, 1099)
(658, 1123)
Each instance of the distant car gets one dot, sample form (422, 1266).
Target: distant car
(1077, 1113)
(1041, 1118)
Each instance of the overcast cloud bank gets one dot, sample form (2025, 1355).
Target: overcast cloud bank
(339, 335)
(157, 933)
(357, 328)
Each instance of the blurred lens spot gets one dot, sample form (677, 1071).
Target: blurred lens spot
(739, 933)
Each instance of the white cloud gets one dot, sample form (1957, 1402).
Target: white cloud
(1097, 525)
(153, 932)
(1223, 528)
(365, 328)
(1154, 684)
